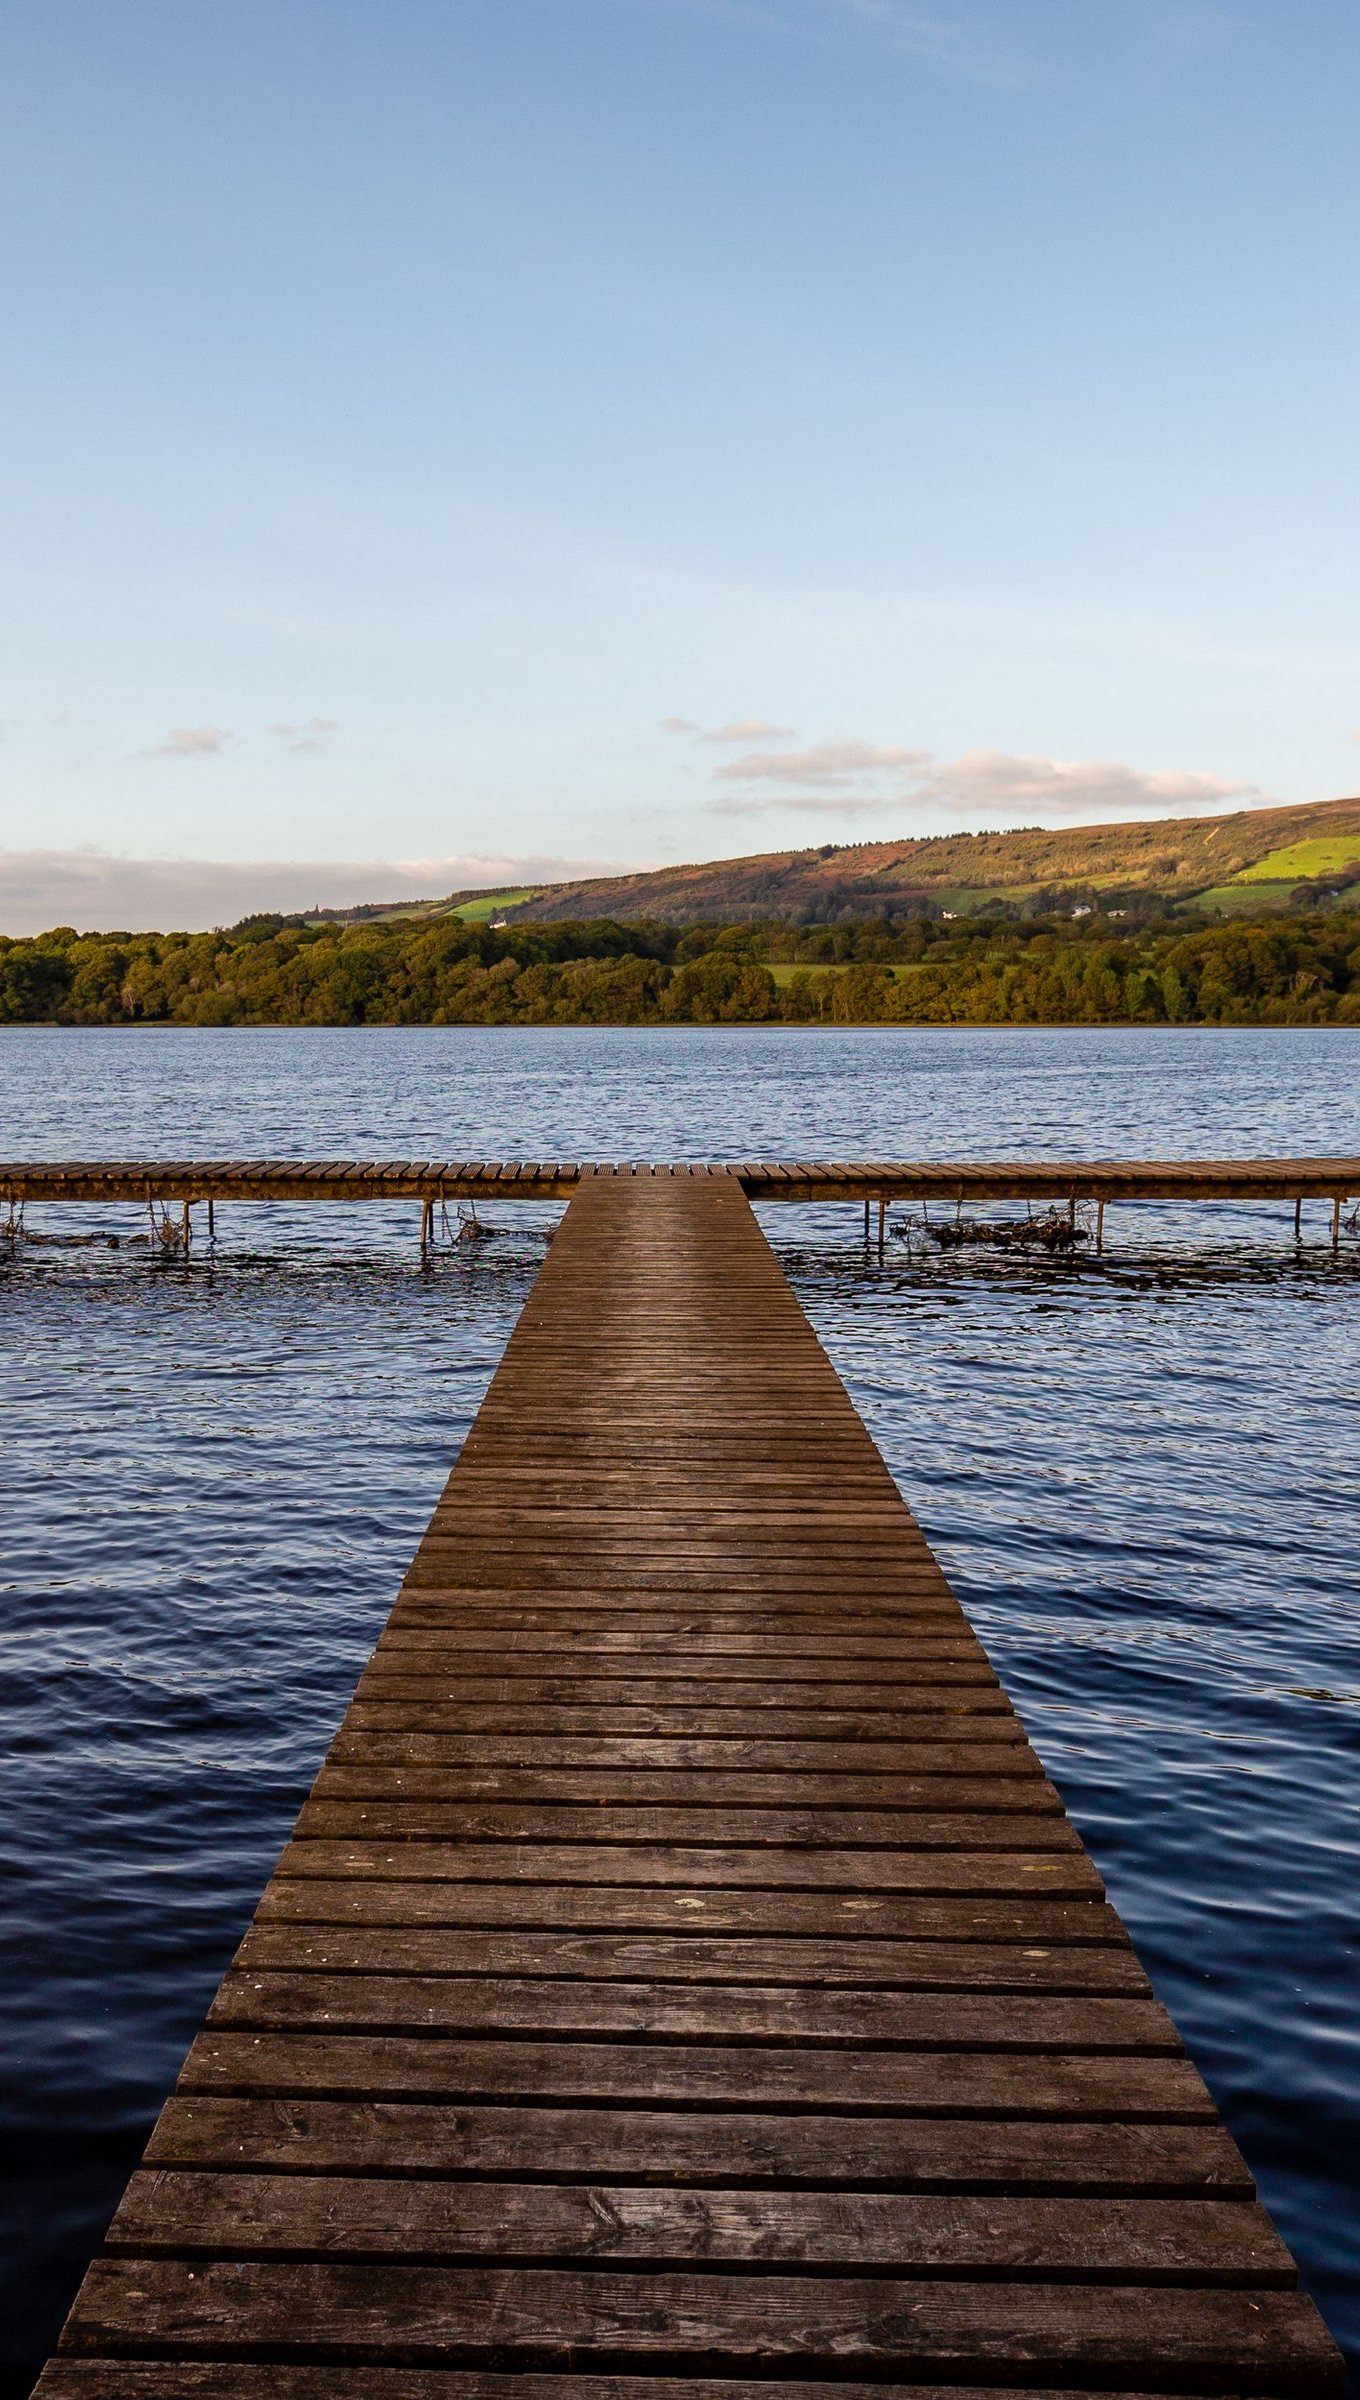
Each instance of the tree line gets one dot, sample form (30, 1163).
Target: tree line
(1302, 970)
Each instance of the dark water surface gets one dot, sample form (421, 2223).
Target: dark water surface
(1141, 1475)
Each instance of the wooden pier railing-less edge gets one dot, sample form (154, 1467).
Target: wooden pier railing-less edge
(197, 1180)
(682, 1980)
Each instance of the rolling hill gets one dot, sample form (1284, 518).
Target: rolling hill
(1253, 863)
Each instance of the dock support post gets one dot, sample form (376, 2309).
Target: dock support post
(1100, 1227)
(212, 1228)
(882, 1225)
(186, 1229)
(426, 1227)
(1336, 1227)
(866, 1224)
(1298, 1218)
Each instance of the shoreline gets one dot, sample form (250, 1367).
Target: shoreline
(758, 1025)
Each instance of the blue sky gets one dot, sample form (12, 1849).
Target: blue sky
(443, 439)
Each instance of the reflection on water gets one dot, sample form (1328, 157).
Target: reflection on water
(1139, 1471)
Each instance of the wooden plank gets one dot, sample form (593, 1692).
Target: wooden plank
(690, 1669)
(212, 2215)
(726, 1658)
(278, 1999)
(835, 1828)
(950, 1753)
(222, 2379)
(1258, 2342)
(851, 1962)
(1089, 2087)
(831, 1918)
(647, 1867)
(415, 1707)
(681, 1787)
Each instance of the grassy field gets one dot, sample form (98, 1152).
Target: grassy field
(1243, 899)
(489, 904)
(1326, 855)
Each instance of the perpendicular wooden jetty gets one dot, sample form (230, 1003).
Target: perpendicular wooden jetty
(682, 1982)
(958, 1180)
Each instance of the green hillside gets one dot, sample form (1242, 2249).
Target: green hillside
(1255, 862)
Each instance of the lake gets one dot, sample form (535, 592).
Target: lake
(1140, 1473)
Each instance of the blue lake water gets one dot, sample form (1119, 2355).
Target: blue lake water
(1141, 1474)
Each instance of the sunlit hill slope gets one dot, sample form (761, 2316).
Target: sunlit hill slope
(1251, 864)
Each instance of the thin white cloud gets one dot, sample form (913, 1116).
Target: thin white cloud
(92, 888)
(849, 778)
(678, 725)
(313, 735)
(827, 766)
(750, 729)
(1080, 787)
(192, 741)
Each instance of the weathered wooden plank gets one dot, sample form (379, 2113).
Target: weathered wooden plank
(647, 1867)
(950, 1753)
(692, 1649)
(418, 1668)
(429, 1706)
(1251, 2342)
(677, 1565)
(780, 1594)
(196, 2214)
(852, 1963)
(1088, 2087)
(832, 1919)
(220, 2379)
(953, 2019)
(833, 1828)
(312, 2135)
(695, 1788)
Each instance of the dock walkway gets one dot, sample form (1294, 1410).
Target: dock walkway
(682, 1977)
(434, 1180)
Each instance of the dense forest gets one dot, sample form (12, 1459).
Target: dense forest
(1304, 970)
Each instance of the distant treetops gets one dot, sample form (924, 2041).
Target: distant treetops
(1298, 970)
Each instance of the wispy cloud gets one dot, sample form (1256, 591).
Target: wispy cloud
(93, 888)
(1076, 787)
(851, 778)
(313, 735)
(749, 729)
(192, 741)
(826, 767)
(950, 38)
(742, 729)
(956, 39)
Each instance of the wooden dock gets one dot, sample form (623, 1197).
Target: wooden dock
(682, 1978)
(963, 1182)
